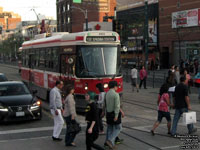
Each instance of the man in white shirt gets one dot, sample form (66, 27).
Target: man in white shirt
(56, 110)
(134, 74)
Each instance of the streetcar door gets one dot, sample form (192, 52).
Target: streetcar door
(67, 68)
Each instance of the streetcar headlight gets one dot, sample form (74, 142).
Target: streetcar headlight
(105, 85)
(2, 108)
(86, 86)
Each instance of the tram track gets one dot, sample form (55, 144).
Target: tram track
(155, 109)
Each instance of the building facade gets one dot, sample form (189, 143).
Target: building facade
(8, 20)
(72, 14)
(179, 28)
(132, 30)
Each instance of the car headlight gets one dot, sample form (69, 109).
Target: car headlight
(2, 108)
(36, 105)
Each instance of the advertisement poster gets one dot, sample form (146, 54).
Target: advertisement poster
(187, 18)
(153, 31)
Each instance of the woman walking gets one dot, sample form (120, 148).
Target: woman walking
(143, 77)
(69, 116)
(100, 104)
(92, 119)
(163, 110)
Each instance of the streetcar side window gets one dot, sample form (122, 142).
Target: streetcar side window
(48, 59)
(37, 57)
(55, 59)
(42, 58)
(26, 58)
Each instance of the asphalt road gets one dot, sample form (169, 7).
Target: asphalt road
(140, 109)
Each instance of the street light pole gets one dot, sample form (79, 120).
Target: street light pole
(146, 39)
(85, 12)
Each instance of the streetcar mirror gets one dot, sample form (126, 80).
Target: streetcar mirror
(70, 60)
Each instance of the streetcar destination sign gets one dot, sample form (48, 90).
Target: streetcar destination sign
(101, 39)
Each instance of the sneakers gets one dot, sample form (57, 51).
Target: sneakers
(152, 132)
(56, 139)
(192, 131)
(118, 141)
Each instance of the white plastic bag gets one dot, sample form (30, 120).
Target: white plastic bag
(189, 117)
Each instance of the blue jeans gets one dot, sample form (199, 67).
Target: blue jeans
(112, 132)
(199, 93)
(69, 137)
(178, 113)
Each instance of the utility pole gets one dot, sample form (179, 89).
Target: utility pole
(85, 12)
(146, 33)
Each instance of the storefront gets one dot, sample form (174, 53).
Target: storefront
(132, 34)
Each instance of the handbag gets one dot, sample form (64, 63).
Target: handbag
(74, 127)
(189, 117)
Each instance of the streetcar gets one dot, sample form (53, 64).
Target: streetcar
(83, 59)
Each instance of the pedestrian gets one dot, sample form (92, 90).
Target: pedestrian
(56, 108)
(171, 70)
(196, 66)
(92, 119)
(177, 75)
(163, 110)
(134, 74)
(181, 105)
(197, 83)
(113, 114)
(143, 77)
(188, 79)
(152, 64)
(69, 115)
(100, 104)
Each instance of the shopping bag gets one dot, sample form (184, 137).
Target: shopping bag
(189, 117)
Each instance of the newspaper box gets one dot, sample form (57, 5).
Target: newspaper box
(189, 117)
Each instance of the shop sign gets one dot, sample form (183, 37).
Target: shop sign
(187, 18)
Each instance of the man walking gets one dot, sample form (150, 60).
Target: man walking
(113, 114)
(134, 73)
(181, 105)
(56, 110)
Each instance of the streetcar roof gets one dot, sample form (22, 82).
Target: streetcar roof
(65, 38)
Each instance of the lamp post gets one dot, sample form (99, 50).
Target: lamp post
(146, 35)
(85, 12)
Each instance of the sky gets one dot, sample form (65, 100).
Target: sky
(23, 8)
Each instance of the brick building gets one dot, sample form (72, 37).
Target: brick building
(8, 20)
(71, 19)
(179, 30)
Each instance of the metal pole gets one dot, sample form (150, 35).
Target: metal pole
(86, 20)
(146, 34)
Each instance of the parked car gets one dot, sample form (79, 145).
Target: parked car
(3, 77)
(17, 103)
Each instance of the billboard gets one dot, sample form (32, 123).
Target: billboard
(186, 18)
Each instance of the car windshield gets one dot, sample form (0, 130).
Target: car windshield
(3, 78)
(13, 89)
(98, 61)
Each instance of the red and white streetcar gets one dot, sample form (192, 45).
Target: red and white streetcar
(83, 59)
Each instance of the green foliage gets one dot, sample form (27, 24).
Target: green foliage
(11, 44)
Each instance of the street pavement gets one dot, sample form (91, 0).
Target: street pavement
(141, 113)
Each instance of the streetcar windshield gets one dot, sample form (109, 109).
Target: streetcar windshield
(98, 61)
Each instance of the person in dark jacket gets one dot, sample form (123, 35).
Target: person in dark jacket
(92, 119)
(181, 105)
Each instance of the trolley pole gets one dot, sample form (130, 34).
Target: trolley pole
(146, 34)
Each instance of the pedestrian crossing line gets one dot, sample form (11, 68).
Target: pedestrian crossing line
(35, 138)
(170, 147)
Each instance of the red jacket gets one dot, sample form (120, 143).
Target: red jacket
(143, 74)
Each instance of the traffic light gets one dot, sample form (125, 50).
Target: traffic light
(117, 26)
